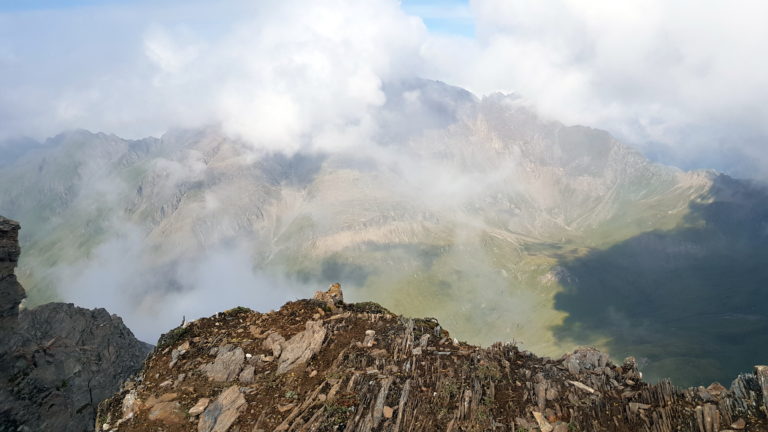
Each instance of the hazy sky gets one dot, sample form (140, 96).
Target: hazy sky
(685, 81)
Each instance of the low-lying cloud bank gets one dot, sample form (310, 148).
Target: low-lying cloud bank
(119, 275)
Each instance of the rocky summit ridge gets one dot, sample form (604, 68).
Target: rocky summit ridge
(326, 365)
(57, 361)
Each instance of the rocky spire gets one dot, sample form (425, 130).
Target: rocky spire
(333, 297)
(11, 292)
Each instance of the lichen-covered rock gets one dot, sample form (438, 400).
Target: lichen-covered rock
(199, 407)
(229, 361)
(332, 297)
(220, 415)
(585, 359)
(167, 412)
(274, 342)
(301, 347)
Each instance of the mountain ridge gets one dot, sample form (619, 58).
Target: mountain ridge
(325, 365)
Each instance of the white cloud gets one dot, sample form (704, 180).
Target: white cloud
(309, 71)
(684, 79)
(439, 10)
(285, 75)
(170, 56)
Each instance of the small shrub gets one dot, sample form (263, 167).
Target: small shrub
(235, 311)
(171, 338)
(367, 307)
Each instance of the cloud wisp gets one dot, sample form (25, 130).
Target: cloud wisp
(151, 299)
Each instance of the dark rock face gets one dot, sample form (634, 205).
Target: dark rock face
(11, 292)
(57, 361)
(61, 362)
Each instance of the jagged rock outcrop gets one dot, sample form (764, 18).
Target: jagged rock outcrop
(11, 292)
(301, 347)
(57, 361)
(362, 368)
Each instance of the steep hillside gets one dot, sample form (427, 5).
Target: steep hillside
(57, 361)
(325, 365)
(690, 300)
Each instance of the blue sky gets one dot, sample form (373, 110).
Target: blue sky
(443, 16)
(440, 16)
(25, 5)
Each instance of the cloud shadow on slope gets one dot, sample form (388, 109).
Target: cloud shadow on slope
(298, 170)
(690, 303)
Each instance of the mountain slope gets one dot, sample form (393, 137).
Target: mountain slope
(469, 209)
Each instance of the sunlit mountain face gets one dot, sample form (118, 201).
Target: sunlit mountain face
(507, 225)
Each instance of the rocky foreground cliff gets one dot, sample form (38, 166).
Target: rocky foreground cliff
(324, 365)
(57, 361)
